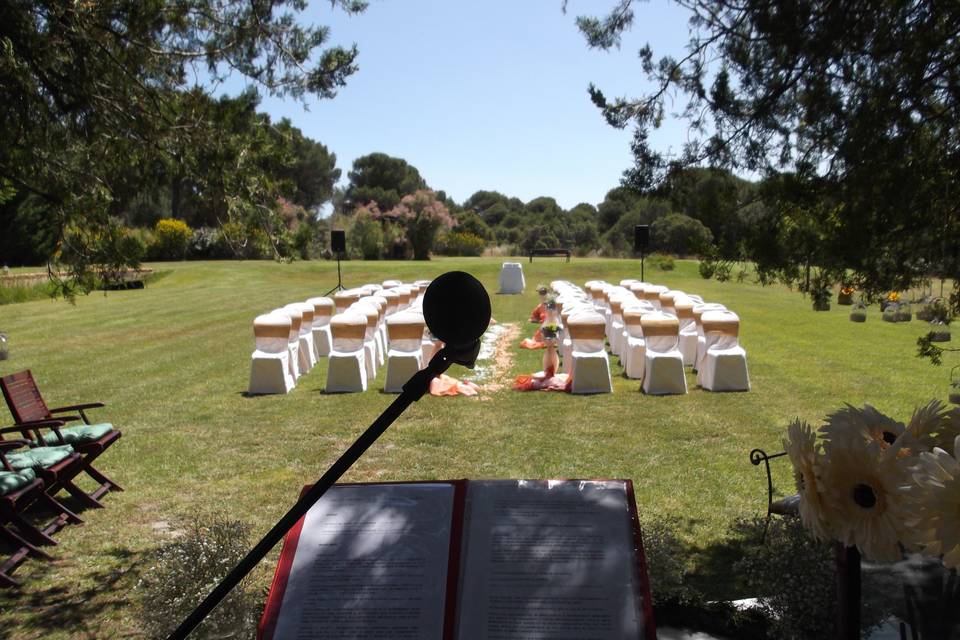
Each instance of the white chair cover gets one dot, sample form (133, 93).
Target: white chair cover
(725, 364)
(293, 342)
(589, 366)
(698, 311)
(347, 371)
(307, 350)
(270, 361)
(369, 309)
(663, 361)
(405, 354)
(323, 309)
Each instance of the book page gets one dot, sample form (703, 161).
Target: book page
(549, 560)
(371, 563)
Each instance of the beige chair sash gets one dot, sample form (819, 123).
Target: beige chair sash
(348, 326)
(684, 310)
(658, 325)
(404, 330)
(271, 326)
(343, 299)
(728, 326)
(586, 329)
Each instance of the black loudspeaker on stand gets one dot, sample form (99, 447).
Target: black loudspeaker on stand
(338, 245)
(456, 308)
(641, 240)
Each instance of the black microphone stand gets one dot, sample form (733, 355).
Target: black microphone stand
(413, 390)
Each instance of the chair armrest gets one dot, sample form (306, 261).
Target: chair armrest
(48, 422)
(35, 427)
(756, 457)
(78, 407)
(9, 445)
(6, 445)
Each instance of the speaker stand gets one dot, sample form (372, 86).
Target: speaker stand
(642, 255)
(339, 286)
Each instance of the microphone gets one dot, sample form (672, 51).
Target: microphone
(456, 309)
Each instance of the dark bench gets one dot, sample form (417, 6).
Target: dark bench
(788, 506)
(550, 252)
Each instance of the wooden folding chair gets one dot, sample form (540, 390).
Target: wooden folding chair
(18, 491)
(31, 413)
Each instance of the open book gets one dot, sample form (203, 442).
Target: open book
(493, 559)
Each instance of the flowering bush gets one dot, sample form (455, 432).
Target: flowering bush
(184, 571)
(171, 237)
(465, 244)
(423, 215)
(882, 486)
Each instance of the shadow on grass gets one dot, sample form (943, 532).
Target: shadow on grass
(77, 609)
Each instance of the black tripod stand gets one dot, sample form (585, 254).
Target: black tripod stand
(339, 286)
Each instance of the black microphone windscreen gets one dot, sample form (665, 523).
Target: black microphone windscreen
(456, 308)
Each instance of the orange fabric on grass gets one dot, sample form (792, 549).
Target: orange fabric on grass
(444, 385)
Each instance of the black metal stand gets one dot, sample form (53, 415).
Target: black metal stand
(413, 390)
(642, 256)
(848, 592)
(339, 286)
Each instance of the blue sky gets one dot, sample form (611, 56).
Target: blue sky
(486, 95)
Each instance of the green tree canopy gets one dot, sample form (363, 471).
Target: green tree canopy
(859, 101)
(92, 91)
(383, 179)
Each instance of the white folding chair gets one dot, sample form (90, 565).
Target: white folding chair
(589, 365)
(725, 364)
(270, 361)
(306, 349)
(323, 309)
(698, 311)
(405, 354)
(293, 341)
(663, 361)
(372, 314)
(347, 371)
(633, 356)
(688, 330)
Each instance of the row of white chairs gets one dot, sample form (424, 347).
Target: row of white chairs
(359, 330)
(655, 331)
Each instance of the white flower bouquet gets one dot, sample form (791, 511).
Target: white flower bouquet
(884, 487)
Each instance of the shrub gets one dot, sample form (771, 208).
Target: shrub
(171, 238)
(707, 267)
(465, 244)
(661, 261)
(179, 574)
(681, 234)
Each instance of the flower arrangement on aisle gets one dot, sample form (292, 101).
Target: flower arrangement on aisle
(868, 481)
(845, 297)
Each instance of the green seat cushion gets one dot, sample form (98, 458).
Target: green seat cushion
(79, 434)
(38, 458)
(11, 480)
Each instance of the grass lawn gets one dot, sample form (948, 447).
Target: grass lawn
(172, 364)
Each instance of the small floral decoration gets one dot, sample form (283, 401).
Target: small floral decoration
(893, 296)
(542, 289)
(550, 330)
(847, 290)
(883, 486)
(550, 302)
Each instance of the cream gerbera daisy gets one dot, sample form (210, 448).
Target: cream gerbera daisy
(920, 433)
(804, 452)
(851, 427)
(936, 496)
(863, 499)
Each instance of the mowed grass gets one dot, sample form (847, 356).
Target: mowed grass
(172, 364)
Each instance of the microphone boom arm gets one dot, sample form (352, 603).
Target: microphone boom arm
(413, 390)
